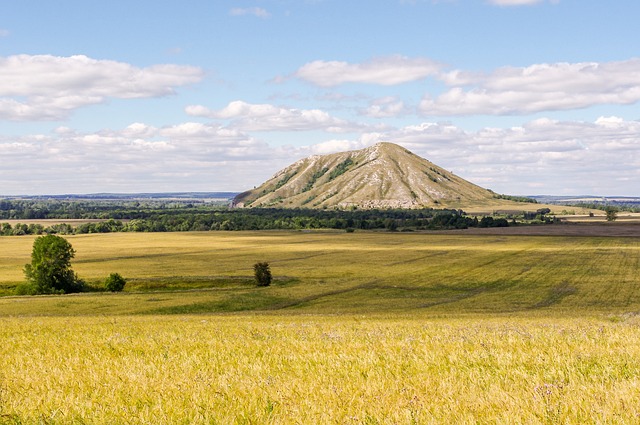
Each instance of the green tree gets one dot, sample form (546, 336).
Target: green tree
(50, 269)
(115, 283)
(612, 213)
(262, 273)
(391, 224)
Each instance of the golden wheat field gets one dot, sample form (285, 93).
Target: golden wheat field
(317, 369)
(363, 328)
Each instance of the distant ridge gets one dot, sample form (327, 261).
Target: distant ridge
(124, 196)
(382, 176)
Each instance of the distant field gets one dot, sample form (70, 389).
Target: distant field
(511, 207)
(330, 272)
(358, 328)
(623, 217)
(51, 221)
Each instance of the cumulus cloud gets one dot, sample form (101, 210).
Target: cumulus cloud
(539, 87)
(336, 145)
(386, 107)
(253, 11)
(266, 117)
(539, 156)
(139, 157)
(543, 156)
(45, 87)
(386, 71)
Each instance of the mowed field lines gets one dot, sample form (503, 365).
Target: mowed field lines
(318, 272)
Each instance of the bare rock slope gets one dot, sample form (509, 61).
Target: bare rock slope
(382, 176)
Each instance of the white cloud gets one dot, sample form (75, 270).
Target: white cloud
(332, 146)
(387, 71)
(253, 11)
(139, 130)
(385, 107)
(540, 87)
(188, 156)
(540, 156)
(266, 117)
(45, 87)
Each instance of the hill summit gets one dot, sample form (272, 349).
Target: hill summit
(382, 176)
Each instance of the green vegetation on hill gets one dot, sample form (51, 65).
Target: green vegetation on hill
(381, 176)
(340, 169)
(523, 199)
(314, 178)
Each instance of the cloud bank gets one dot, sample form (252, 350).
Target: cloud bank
(45, 87)
(265, 117)
(504, 91)
(383, 71)
(547, 156)
(537, 88)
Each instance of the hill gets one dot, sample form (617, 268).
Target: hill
(382, 176)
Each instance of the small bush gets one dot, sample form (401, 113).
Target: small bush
(25, 289)
(114, 283)
(262, 273)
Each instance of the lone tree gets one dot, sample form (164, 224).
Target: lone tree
(262, 272)
(50, 269)
(114, 283)
(612, 213)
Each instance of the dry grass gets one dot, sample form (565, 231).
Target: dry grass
(312, 369)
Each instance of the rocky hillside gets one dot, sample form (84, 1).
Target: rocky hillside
(382, 176)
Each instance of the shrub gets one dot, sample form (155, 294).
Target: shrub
(262, 273)
(114, 283)
(26, 289)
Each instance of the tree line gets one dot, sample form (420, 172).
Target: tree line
(187, 217)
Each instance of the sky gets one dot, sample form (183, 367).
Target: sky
(523, 97)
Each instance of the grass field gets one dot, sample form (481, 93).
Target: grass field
(261, 369)
(339, 273)
(362, 328)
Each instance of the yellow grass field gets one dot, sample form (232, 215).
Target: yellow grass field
(264, 369)
(361, 328)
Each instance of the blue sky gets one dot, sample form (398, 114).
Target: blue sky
(523, 97)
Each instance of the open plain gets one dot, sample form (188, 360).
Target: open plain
(360, 327)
